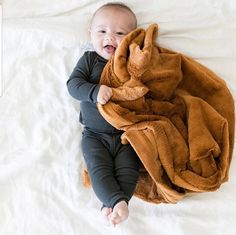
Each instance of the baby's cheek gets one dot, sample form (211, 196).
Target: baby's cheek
(119, 41)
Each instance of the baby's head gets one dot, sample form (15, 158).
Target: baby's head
(110, 23)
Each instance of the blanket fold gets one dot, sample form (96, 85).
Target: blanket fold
(177, 115)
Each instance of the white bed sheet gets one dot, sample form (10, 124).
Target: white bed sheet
(41, 191)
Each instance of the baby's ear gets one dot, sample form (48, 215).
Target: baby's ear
(88, 32)
(88, 26)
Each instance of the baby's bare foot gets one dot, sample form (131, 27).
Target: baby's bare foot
(119, 214)
(105, 214)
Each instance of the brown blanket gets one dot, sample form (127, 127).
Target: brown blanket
(177, 115)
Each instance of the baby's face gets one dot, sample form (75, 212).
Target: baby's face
(108, 27)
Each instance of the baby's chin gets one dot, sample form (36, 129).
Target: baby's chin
(104, 54)
(108, 57)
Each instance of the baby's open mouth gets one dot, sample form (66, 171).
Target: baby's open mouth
(110, 49)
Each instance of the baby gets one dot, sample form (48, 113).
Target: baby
(113, 167)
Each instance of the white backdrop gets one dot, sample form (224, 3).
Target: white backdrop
(41, 191)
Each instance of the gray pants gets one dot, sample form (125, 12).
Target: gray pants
(113, 167)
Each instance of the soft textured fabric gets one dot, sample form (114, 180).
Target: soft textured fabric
(177, 114)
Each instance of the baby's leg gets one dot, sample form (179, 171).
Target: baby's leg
(127, 169)
(100, 165)
(120, 213)
(126, 173)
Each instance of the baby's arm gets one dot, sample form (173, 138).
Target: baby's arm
(104, 94)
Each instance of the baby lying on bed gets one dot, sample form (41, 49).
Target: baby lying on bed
(113, 167)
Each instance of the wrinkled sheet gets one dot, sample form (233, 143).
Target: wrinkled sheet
(41, 190)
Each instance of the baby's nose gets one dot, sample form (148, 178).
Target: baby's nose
(109, 38)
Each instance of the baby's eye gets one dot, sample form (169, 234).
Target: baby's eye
(120, 33)
(102, 31)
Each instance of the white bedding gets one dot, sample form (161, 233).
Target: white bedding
(41, 191)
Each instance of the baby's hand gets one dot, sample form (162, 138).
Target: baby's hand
(104, 94)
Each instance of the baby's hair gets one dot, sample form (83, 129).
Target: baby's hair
(119, 5)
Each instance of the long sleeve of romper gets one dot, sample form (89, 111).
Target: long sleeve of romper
(79, 84)
(83, 85)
